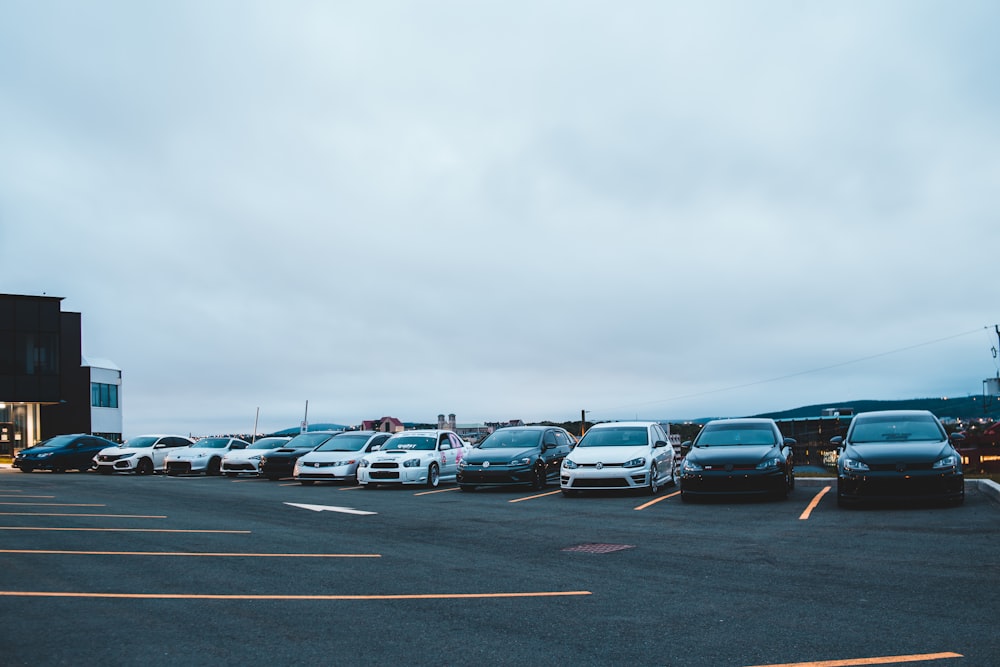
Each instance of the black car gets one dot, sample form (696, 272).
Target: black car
(738, 457)
(516, 455)
(898, 455)
(280, 462)
(61, 453)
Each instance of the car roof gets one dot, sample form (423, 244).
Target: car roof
(743, 420)
(895, 413)
(424, 431)
(628, 423)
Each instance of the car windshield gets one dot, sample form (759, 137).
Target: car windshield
(425, 442)
(896, 429)
(617, 436)
(511, 439)
(268, 443)
(308, 439)
(140, 442)
(727, 435)
(212, 443)
(344, 443)
(57, 441)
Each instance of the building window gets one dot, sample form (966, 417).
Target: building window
(103, 395)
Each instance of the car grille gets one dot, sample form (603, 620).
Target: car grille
(108, 458)
(239, 466)
(179, 466)
(599, 483)
(385, 464)
(603, 465)
(732, 466)
(383, 474)
(900, 467)
(317, 464)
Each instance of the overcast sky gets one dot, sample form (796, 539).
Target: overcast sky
(655, 209)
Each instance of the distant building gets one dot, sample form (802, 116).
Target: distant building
(47, 388)
(448, 423)
(385, 425)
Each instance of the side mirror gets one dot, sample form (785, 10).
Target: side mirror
(659, 443)
(790, 442)
(957, 437)
(837, 440)
(548, 445)
(686, 447)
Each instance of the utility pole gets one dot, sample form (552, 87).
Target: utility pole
(583, 422)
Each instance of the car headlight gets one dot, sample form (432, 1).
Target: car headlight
(950, 461)
(463, 463)
(45, 455)
(363, 463)
(570, 465)
(523, 461)
(691, 466)
(411, 463)
(854, 465)
(256, 457)
(770, 464)
(635, 463)
(338, 464)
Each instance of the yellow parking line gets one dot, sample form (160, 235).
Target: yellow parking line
(427, 493)
(812, 505)
(58, 504)
(885, 660)
(109, 516)
(352, 488)
(540, 495)
(128, 530)
(180, 553)
(183, 596)
(658, 500)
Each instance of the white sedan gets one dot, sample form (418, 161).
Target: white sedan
(426, 457)
(237, 461)
(205, 456)
(336, 460)
(620, 455)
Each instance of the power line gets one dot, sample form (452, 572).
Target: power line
(798, 374)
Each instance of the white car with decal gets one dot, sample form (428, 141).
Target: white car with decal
(426, 457)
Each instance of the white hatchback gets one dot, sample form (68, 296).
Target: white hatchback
(620, 455)
(143, 454)
(427, 457)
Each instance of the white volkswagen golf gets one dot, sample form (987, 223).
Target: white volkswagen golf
(426, 457)
(620, 455)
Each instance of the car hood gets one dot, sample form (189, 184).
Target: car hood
(499, 454)
(37, 451)
(397, 454)
(186, 454)
(736, 454)
(615, 454)
(899, 452)
(331, 455)
(107, 451)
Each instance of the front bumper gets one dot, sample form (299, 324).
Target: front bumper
(323, 473)
(398, 475)
(235, 467)
(911, 485)
(116, 465)
(735, 483)
(608, 478)
(495, 475)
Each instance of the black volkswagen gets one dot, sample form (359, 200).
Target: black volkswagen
(898, 454)
(516, 455)
(738, 457)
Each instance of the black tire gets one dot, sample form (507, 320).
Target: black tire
(214, 467)
(144, 467)
(84, 469)
(541, 478)
(27, 469)
(433, 476)
(466, 487)
(653, 487)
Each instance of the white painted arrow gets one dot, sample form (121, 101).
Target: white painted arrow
(331, 508)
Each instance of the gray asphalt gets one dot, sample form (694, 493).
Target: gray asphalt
(454, 578)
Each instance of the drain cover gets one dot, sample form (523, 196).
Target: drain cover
(599, 548)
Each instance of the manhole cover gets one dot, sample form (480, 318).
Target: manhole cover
(600, 548)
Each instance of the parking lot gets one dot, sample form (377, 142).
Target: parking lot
(160, 570)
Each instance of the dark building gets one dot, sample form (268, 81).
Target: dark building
(47, 388)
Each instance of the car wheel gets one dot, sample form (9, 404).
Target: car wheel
(144, 467)
(84, 468)
(27, 469)
(686, 497)
(654, 485)
(672, 481)
(214, 467)
(541, 479)
(433, 476)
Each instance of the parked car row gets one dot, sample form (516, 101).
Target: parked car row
(885, 455)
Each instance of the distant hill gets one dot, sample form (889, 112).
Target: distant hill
(970, 407)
